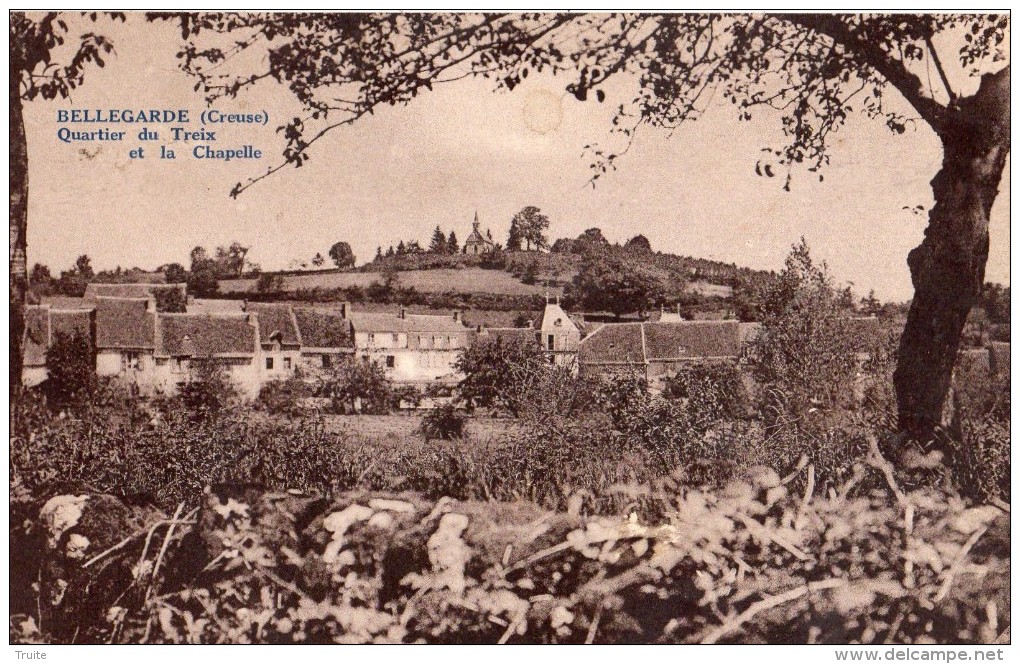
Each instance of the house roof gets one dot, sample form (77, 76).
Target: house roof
(199, 305)
(525, 334)
(37, 335)
(71, 321)
(323, 329)
(94, 290)
(613, 343)
(43, 323)
(691, 339)
(382, 322)
(554, 318)
(124, 323)
(65, 302)
(205, 335)
(276, 319)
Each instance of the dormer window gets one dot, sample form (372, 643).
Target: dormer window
(682, 350)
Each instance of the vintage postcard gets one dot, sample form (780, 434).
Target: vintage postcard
(517, 328)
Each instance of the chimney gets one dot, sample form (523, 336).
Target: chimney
(403, 313)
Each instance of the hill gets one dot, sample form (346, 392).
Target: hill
(500, 280)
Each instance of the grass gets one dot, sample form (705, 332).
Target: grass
(467, 280)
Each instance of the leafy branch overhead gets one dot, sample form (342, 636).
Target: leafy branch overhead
(814, 70)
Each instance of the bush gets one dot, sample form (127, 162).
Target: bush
(358, 386)
(70, 369)
(208, 391)
(284, 397)
(443, 423)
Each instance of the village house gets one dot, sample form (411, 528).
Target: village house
(326, 337)
(655, 350)
(476, 243)
(414, 349)
(279, 339)
(559, 335)
(229, 340)
(43, 324)
(126, 339)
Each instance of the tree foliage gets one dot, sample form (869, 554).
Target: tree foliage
(70, 368)
(607, 282)
(528, 227)
(342, 255)
(358, 386)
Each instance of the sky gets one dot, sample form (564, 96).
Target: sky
(465, 148)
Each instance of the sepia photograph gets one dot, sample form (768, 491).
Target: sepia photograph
(421, 327)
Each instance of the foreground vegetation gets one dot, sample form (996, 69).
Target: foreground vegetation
(771, 501)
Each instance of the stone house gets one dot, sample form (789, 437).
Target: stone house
(656, 350)
(279, 339)
(42, 325)
(413, 349)
(327, 338)
(126, 339)
(183, 340)
(559, 335)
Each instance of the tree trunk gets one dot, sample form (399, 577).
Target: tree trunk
(19, 225)
(948, 268)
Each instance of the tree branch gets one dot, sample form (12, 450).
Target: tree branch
(897, 75)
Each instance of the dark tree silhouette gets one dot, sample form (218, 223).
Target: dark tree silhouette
(342, 255)
(36, 73)
(814, 70)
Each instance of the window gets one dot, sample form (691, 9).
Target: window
(371, 337)
(286, 363)
(179, 365)
(269, 363)
(130, 360)
(552, 342)
(423, 341)
(327, 361)
(396, 338)
(391, 361)
(682, 350)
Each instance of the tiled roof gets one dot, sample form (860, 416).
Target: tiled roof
(124, 323)
(323, 329)
(95, 290)
(526, 334)
(276, 319)
(554, 314)
(199, 305)
(71, 322)
(616, 343)
(37, 335)
(613, 343)
(205, 335)
(43, 323)
(691, 340)
(375, 322)
(65, 302)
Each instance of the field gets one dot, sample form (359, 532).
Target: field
(467, 280)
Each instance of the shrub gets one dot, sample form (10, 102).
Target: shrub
(70, 368)
(443, 423)
(208, 391)
(358, 386)
(284, 397)
(711, 392)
